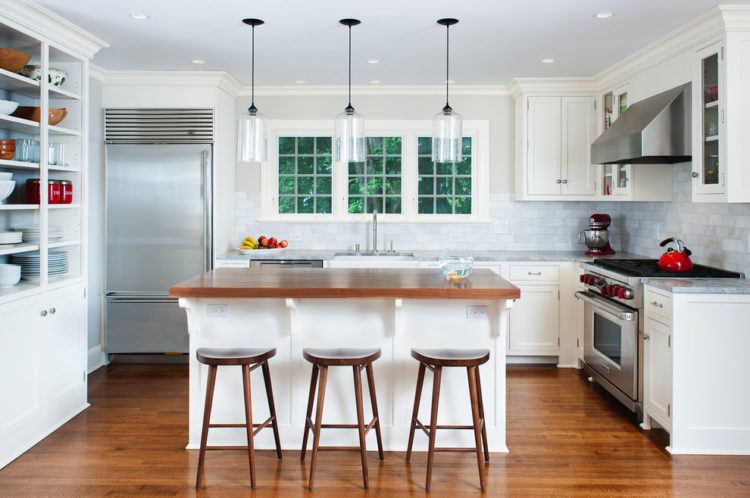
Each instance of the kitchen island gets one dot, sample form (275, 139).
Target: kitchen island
(391, 309)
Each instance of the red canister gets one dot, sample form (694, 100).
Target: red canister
(55, 192)
(67, 191)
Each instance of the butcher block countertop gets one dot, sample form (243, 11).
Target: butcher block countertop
(343, 283)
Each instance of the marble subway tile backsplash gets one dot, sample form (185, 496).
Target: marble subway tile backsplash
(718, 234)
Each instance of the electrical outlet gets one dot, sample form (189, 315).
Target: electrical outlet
(476, 312)
(218, 310)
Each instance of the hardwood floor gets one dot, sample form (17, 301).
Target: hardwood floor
(565, 438)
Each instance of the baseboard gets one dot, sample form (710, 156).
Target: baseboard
(96, 358)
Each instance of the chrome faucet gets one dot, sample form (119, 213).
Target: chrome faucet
(375, 231)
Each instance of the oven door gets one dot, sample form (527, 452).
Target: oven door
(610, 338)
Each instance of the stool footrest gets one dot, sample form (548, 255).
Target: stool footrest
(426, 429)
(368, 427)
(339, 448)
(257, 427)
(446, 449)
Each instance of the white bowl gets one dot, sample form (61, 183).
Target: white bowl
(6, 188)
(5, 177)
(10, 275)
(8, 106)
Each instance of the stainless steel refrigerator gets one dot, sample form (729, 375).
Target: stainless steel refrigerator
(158, 233)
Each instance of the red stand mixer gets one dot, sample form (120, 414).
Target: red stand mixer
(596, 237)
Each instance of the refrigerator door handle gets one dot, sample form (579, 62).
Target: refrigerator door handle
(207, 211)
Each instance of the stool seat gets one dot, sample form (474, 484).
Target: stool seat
(234, 356)
(341, 356)
(452, 357)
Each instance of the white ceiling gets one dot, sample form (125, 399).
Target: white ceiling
(495, 41)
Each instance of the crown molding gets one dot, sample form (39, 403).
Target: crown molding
(216, 79)
(553, 86)
(323, 90)
(39, 22)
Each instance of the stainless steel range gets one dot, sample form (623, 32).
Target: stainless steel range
(613, 321)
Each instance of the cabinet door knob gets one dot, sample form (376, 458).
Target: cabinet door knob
(558, 181)
(565, 181)
(645, 337)
(695, 174)
(656, 304)
(52, 311)
(43, 313)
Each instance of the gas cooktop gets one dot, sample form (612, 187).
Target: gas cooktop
(650, 268)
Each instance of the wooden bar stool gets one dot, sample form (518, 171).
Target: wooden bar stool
(249, 360)
(358, 359)
(435, 360)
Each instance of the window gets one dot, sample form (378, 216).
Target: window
(443, 188)
(305, 175)
(375, 185)
(398, 179)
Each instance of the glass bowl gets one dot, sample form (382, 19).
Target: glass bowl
(456, 267)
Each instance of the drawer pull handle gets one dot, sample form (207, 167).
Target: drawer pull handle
(656, 304)
(52, 311)
(535, 273)
(43, 313)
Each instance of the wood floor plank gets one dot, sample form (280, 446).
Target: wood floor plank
(566, 439)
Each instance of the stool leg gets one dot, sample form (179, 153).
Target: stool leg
(249, 422)
(415, 411)
(484, 421)
(361, 422)
(272, 407)
(433, 422)
(310, 400)
(472, 372)
(374, 403)
(318, 423)
(206, 422)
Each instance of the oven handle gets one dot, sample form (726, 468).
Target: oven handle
(590, 297)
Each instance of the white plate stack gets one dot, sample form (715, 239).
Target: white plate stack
(32, 235)
(7, 239)
(30, 261)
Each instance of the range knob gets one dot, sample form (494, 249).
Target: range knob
(582, 278)
(607, 290)
(624, 293)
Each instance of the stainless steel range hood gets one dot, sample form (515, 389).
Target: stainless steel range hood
(655, 130)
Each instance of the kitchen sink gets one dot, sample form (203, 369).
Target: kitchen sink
(373, 256)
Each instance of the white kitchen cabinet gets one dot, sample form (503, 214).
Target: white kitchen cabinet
(721, 119)
(554, 160)
(534, 321)
(657, 371)
(44, 370)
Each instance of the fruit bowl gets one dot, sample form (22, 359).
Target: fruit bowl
(262, 250)
(12, 60)
(456, 267)
(56, 114)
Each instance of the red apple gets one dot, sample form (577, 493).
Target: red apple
(283, 244)
(272, 242)
(263, 241)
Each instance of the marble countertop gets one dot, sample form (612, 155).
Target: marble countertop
(531, 256)
(701, 285)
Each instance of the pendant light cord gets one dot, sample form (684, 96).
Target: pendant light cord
(350, 69)
(447, 62)
(252, 69)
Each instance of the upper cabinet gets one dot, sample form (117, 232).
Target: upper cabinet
(721, 119)
(555, 135)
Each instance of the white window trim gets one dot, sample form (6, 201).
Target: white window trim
(409, 130)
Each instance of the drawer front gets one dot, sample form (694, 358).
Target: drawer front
(232, 263)
(658, 307)
(534, 273)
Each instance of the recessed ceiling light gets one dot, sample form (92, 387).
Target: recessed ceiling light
(139, 16)
(374, 82)
(299, 82)
(604, 15)
(372, 61)
(548, 60)
(199, 61)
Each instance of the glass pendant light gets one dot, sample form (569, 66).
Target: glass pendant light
(349, 144)
(251, 126)
(446, 125)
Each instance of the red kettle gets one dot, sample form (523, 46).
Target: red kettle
(675, 261)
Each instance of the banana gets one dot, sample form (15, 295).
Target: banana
(249, 243)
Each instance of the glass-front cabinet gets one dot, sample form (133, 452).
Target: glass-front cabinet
(615, 177)
(708, 172)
